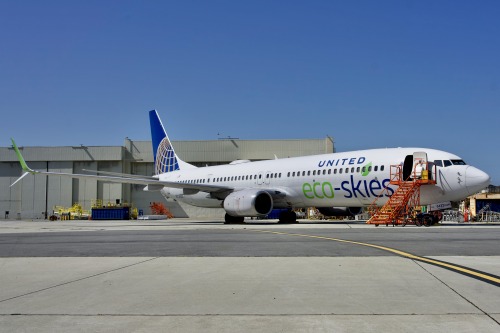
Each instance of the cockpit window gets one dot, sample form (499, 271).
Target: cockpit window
(438, 163)
(447, 163)
(458, 162)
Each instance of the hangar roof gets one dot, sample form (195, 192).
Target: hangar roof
(214, 151)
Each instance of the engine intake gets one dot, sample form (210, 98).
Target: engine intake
(248, 203)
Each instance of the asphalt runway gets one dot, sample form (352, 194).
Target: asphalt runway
(247, 242)
(187, 275)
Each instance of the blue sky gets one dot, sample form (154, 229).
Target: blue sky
(368, 73)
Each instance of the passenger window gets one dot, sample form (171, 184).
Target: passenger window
(346, 170)
(357, 169)
(340, 170)
(370, 168)
(352, 170)
(329, 171)
(260, 176)
(293, 174)
(375, 168)
(314, 172)
(447, 163)
(381, 168)
(288, 175)
(303, 173)
(334, 171)
(280, 175)
(324, 172)
(363, 169)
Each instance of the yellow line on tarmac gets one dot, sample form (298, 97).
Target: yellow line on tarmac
(483, 276)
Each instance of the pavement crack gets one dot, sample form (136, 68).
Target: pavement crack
(456, 292)
(77, 280)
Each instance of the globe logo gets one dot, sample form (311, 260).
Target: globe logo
(165, 158)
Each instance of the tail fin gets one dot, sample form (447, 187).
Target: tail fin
(165, 158)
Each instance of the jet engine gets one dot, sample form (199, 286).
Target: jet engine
(248, 203)
(340, 211)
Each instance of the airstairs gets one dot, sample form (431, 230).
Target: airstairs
(402, 202)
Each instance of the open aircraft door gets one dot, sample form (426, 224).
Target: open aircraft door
(411, 161)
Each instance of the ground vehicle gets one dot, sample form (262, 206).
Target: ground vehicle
(425, 219)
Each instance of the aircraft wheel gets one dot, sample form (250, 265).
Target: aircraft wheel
(228, 219)
(287, 217)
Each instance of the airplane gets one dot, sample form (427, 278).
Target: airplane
(338, 184)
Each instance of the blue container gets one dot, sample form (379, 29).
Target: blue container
(115, 213)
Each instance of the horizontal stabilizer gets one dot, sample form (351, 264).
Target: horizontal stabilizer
(18, 179)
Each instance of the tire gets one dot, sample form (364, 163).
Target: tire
(228, 219)
(427, 220)
(287, 217)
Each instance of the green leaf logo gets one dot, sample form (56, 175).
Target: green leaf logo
(365, 171)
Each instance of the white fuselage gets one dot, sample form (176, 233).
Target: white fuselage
(331, 179)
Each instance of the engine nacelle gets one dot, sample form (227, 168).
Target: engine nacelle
(340, 211)
(248, 203)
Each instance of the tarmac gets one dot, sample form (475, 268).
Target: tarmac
(244, 293)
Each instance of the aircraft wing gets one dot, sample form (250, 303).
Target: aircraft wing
(119, 174)
(119, 178)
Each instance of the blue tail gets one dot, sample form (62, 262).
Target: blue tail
(164, 155)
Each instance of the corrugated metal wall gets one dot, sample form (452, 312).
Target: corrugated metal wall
(36, 194)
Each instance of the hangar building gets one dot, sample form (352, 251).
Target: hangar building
(35, 196)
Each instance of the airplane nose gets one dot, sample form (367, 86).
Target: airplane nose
(476, 180)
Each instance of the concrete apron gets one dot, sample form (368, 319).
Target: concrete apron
(389, 294)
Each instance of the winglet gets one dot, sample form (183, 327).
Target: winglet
(20, 157)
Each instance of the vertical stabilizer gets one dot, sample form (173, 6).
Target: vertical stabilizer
(165, 158)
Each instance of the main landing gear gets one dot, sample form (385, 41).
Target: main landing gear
(287, 217)
(228, 219)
